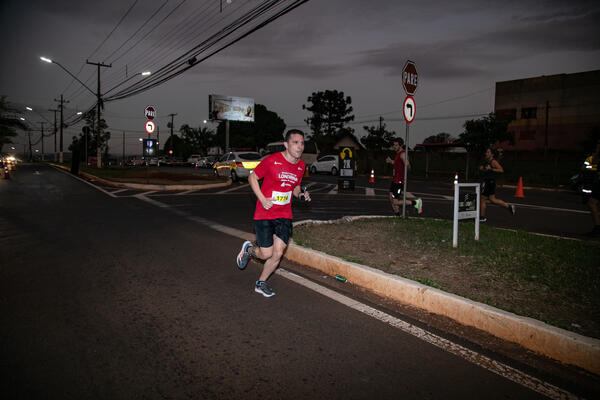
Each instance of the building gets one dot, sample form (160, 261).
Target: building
(556, 112)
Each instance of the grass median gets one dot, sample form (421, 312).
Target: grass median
(550, 279)
(152, 176)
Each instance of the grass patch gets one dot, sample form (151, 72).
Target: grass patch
(550, 279)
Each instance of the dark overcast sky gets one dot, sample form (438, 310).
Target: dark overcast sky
(460, 48)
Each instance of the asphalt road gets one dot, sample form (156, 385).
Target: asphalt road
(108, 296)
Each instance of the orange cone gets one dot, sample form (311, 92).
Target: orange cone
(519, 191)
(306, 172)
(372, 178)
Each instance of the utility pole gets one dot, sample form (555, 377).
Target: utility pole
(42, 124)
(172, 148)
(546, 130)
(61, 101)
(54, 133)
(98, 106)
(29, 141)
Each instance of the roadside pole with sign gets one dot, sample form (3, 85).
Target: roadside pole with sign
(346, 169)
(409, 83)
(465, 209)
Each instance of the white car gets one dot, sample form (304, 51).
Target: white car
(329, 164)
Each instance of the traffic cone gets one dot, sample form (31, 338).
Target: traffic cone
(455, 181)
(519, 191)
(372, 178)
(306, 172)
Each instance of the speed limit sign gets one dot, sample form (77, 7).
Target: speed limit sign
(150, 127)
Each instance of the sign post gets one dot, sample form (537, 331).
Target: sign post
(465, 209)
(346, 168)
(409, 83)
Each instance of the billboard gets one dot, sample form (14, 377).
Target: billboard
(230, 108)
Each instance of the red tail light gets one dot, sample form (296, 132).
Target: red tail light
(239, 164)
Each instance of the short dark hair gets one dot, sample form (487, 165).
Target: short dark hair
(398, 140)
(291, 132)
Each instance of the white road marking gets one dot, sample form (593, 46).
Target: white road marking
(369, 191)
(233, 189)
(480, 360)
(334, 190)
(183, 193)
(119, 191)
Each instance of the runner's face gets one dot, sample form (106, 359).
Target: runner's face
(295, 145)
(396, 146)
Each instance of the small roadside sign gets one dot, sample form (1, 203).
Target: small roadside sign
(409, 109)
(150, 127)
(150, 112)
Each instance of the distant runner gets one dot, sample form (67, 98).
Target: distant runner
(490, 168)
(592, 188)
(282, 174)
(397, 186)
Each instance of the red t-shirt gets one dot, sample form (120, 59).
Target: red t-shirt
(398, 168)
(280, 177)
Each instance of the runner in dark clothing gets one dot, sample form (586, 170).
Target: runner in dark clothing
(490, 168)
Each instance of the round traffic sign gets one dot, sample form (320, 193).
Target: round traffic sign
(410, 108)
(150, 127)
(410, 78)
(150, 112)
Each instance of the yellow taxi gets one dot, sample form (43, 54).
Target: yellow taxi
(236, 164)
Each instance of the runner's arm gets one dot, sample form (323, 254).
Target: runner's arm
(253, 181)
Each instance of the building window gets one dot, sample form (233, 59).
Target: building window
(527, 135)
(509, 114)
(528, 112)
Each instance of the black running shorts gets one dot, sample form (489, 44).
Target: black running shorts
(396, 190)
(488, 187)
(266, 228)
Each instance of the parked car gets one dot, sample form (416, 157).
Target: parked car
(206, 162)
(328, 163)
(237, 164)
(193, 159)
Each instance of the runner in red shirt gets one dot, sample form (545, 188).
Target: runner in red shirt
(282, 174)
(397, 187)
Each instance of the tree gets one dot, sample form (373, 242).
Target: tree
(441, 137)
(377, 138)
(88, 136)
(178, 146)
(267, 127)
(331, 111)
(197, 140)
(8, 123)
(482, 133)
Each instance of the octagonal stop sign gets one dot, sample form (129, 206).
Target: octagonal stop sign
(410, 78)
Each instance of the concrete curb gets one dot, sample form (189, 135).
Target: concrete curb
(142, 186)
(556, 343)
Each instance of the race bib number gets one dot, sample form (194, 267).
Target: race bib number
(281, 198)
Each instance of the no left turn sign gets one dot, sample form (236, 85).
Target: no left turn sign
(410, 109)
(150, 127)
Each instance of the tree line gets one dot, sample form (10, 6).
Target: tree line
(330, 112)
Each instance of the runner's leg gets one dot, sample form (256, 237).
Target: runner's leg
(271, 263)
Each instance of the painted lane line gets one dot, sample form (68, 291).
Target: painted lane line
(369, 191)
(233, 189)
(184, 193)
(334, 189)
(480, 360)
(119, 191)
(86, 182)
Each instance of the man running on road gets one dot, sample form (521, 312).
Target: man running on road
(282, 174)
(397, 187)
